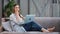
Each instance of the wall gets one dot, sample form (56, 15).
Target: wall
(24, 7)
(0, 10)
(41, 8)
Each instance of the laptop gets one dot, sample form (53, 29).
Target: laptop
(29, 18)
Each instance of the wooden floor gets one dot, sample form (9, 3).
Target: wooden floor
(29, 33)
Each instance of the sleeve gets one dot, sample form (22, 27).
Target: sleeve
(6, 26)
(13, 18)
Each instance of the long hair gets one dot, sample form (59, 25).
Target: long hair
(14, 11)
(13, 8)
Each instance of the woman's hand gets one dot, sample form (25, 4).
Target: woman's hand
(16, 13)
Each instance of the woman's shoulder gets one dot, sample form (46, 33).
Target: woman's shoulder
(12, 15)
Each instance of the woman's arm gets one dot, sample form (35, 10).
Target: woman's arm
(16, 20)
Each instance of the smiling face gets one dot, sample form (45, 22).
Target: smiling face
(16, 8)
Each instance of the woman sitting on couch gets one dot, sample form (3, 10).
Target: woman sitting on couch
(17, 21)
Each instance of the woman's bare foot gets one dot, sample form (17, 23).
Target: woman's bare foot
(51, 29)
(44, 30)
(48, 30)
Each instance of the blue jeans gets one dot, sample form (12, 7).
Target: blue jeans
(32, 26)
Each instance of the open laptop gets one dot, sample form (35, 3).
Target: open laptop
(29, 18)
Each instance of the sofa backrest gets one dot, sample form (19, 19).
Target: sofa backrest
(47, 22)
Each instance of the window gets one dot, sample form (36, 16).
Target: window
(59, 1)
(54, 1)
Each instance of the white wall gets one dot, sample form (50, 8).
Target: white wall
(42, 8)
(24, 7)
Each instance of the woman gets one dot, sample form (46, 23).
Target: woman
(19, 25)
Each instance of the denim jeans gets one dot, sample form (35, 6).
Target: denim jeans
(32, 26)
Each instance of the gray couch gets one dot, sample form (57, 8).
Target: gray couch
(47, 22)
(29, 33)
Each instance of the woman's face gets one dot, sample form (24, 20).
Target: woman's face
(16, 8)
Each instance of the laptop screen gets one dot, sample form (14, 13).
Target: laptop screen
(29, 18)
